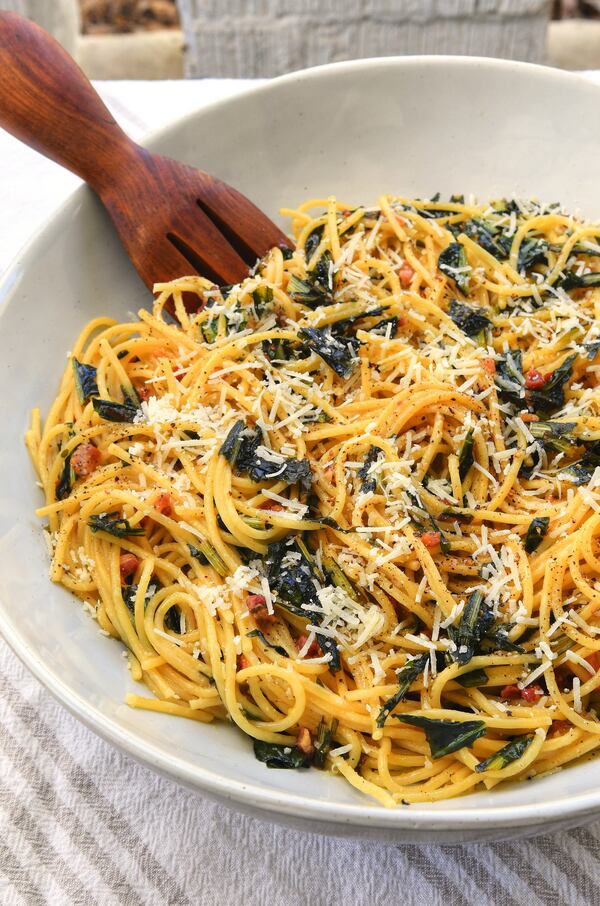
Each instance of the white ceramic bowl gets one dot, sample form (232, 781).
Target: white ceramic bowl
(411, 126)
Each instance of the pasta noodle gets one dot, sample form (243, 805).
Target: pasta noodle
(353, 503)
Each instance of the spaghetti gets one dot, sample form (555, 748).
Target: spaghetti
(352, 504)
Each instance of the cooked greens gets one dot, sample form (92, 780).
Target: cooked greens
(472, 680)
(369, 482)
(551, 396)
(510, 382)
(555, 436)
(406, 677)
(531, 252)
(275, 755)
(292, 575)
(244, 449)
(338, 352)
(515, 749)
(471, 320)
(313, 240)
(205, 553)
(115, 412)
(307, 292)
(474, 623)
(66, 481)
(113, 524)
(466, 457)
(84, 377)
(573, 280)
(388, 327)
(256, 633)
(581, 472)
(262, 297)
(323, 741)
(454, 264)
(446, 736)
(536, 533)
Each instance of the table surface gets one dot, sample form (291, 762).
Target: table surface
(81, 823)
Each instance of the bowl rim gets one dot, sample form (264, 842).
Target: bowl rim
(419, 817)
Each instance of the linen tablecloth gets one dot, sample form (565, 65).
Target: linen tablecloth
(81, 823)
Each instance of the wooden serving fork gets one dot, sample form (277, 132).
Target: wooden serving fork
(198, 223)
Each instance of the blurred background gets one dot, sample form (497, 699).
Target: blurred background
(172, 39)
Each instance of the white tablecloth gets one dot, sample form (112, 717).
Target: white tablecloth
(82, 824)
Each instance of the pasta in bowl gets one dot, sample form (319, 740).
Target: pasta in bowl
(351, 503)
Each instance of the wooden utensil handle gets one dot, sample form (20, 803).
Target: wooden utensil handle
(47, 102)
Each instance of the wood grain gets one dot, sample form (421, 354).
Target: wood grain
(172, 219)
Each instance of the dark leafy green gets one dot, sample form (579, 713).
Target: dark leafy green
(277, 350)
(113, 524)
(551, 396)
(532, 252)
(307, 292)
(205, 553)
(381, 328)
(369, 482)
(339, 354)
(262, 298)
(338, 577)
(131, 396)
(592, 349)
(474, 623)
(322, 273)
(431, 213)
(536, 532)
(172, 619)
(115, 412)
(465, 456)
(473, 679)
(129, 593)
(65, 483)
(510, 382)
(532, 462)
(572, 280)
(256, 633)
(555, 436)
(292, 579)
(496, 639)
(504, 756)
(451, 263)
(241, 449)
(488, 236)
(313, 240)
(580, 472)
(323, 741)
(210, 330)
(345, 324)
(406, 677)
(446, 736)
(457, 514)
(84, 377)
(472, 321)
(275, 755)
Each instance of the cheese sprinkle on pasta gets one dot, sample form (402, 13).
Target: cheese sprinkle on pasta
(353, 503)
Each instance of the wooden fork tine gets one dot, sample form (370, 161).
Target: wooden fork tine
(240, 220)
(205, 247)
(168, 264)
